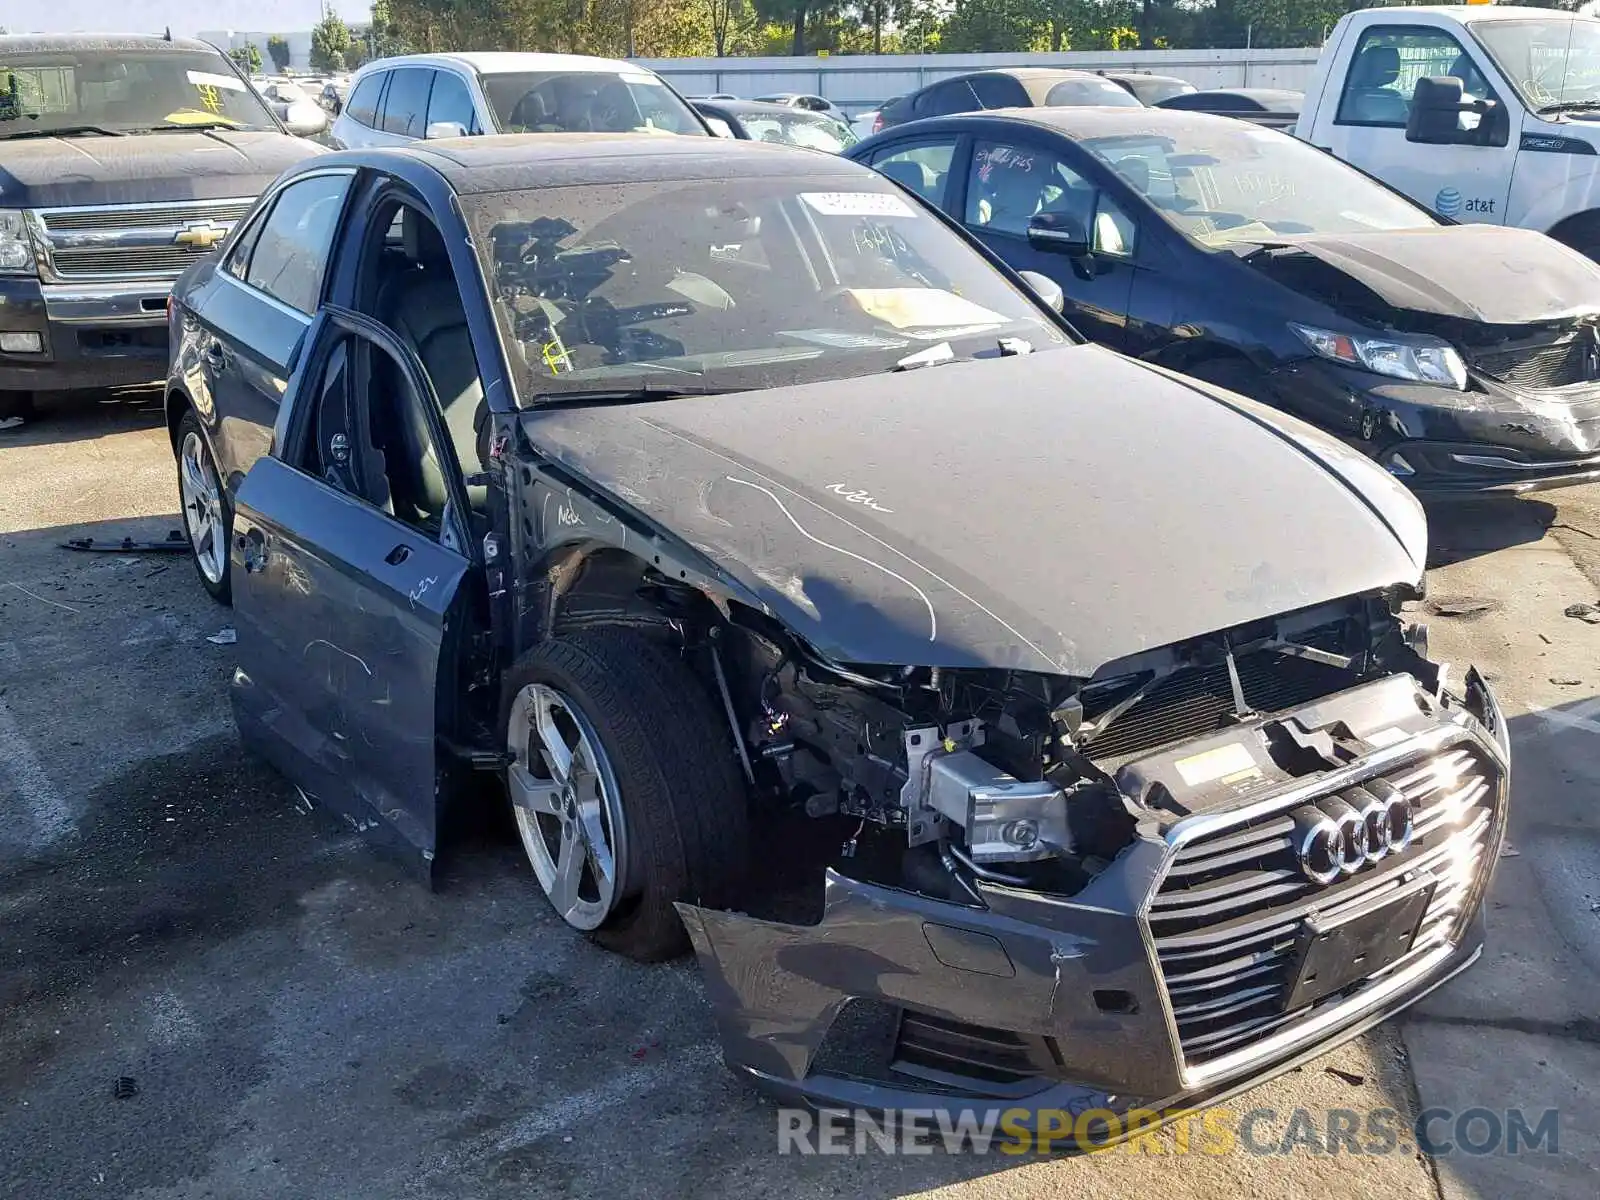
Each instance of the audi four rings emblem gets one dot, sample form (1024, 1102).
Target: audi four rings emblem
(1341, 834)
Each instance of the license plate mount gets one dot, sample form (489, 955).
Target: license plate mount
(1335, 951)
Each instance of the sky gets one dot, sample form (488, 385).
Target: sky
(185, 17)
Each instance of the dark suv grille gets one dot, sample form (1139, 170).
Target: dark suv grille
(1549, 365)
(1228, 914)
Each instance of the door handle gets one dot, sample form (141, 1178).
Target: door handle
(397, 556)
(252, 550)
(215, 356)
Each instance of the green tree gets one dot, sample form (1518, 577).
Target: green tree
(329, 40)
(248, 58)
(278, 51)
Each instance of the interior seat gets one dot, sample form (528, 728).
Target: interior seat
(1373, 95)
(422, 304)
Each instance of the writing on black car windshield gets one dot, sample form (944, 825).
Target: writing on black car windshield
(119, 92)
(1235, 182)
(736, 284)
(587, 102)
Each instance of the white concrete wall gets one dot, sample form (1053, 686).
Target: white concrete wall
(235, 39)
(860, 80)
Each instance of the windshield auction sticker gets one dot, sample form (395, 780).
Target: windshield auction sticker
(207, 79)
(857, 204)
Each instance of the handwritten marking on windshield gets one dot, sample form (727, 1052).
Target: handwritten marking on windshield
(856, 496)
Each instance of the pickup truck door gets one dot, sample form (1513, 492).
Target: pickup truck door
(348, 568)
(1361, 118)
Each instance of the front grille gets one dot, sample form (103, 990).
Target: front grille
(1227, 917)
(129, 241)
(1561, 363)
(941, 1047)
(1199, 700)
(168, 260)
(142, 217)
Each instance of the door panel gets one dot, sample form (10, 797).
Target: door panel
(340, 611)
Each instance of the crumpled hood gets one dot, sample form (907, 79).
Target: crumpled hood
(1489, 273)
(144, 168)
(1051, 512)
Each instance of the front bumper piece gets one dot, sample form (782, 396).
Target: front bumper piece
(90, 335)
(1162, 985)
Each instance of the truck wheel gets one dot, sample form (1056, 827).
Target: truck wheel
(207, 515)
(1582, 234)
(624, 788)
(1235, 374)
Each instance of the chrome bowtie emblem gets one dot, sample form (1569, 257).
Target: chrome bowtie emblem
(1341, 834)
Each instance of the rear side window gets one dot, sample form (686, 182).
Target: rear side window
(923, 168)
(405, 107)
(999, 91)
(363, 105)
(956, 96)
(291, 252)
(451, 102)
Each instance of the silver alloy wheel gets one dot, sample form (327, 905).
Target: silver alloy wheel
(202, 507)
(567, 806)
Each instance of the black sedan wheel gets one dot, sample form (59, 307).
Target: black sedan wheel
(207, 516)
(624, 787)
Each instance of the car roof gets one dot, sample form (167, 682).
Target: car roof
(1140, 76)
(47, 43)
(509, 162)
(1270, 99)
(1080, 121)
(508, 62)
(1025, 74)
(1490, 12)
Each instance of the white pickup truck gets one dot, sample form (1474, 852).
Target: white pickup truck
(1481, 112)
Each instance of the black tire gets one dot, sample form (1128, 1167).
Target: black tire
(220, 590)
(1234, 374)
(682, 792)
(1582, 234)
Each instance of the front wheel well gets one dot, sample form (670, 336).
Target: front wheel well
(1580, 231)
(177, 403)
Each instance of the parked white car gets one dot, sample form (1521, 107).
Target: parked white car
(808, 102)
(399, 100)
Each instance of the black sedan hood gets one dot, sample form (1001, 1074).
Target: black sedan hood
(1051, 512)
(144, 168)
(1481, 273)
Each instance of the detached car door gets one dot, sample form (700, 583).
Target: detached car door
(1012, 179)
(349, 555)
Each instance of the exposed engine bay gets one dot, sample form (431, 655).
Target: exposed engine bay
(1040, 781)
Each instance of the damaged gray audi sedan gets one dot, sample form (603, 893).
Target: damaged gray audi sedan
(998, 718)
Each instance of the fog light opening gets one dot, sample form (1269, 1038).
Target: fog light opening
(22, 343)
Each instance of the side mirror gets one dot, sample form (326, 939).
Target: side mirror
(1047, 289)
(1436, 108)
(445, 129)
(1059, 233)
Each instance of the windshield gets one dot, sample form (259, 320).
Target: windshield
(1105, 92)
(1154, 91)
(1229, 181)
(587, 102)
(799, 128)
(1550, 62)
(124, 92)
(735, 284)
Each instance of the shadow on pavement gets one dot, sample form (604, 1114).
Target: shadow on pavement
(1473, 528)
(86, 416)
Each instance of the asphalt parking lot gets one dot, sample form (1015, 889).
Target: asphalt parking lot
(207, 988)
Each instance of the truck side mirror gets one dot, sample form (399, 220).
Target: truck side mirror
(1059, 233)
(1436, 108)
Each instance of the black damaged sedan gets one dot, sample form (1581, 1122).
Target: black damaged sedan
(1463, 358)
(966, 695)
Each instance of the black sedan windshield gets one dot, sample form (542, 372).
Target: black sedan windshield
(736, 284)
(123, 92)
(1226, 181)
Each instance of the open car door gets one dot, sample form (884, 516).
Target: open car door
(349, 556)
